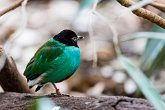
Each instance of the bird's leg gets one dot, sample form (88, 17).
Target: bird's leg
(57, 90)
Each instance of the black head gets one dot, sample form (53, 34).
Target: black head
(67, 37)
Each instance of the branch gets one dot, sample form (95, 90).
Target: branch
(10, 78)
(16, 4)
(141, 12)
(21, 101)
(159, 6)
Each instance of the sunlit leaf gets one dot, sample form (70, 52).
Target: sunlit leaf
(143, 83)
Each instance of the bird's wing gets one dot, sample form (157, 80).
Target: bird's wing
(40, 62)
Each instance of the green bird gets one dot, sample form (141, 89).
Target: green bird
(54, 61)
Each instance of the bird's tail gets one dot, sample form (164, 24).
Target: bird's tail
(34, 82)
(38, 87)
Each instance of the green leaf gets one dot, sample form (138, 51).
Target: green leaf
(143, 83)
(151, 35)
(44, 104)
(154, 52)
(85, 4)
(154, 57)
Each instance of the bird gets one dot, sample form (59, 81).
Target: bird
(55, 61)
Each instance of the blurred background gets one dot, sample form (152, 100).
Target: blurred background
(100, 73)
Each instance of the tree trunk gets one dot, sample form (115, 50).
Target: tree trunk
(10, 78)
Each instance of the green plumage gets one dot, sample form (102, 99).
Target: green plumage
(53, 62)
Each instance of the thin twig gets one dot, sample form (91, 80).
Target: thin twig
(159, 6)
(91, 33)
(20, 30)
(14, 5)
(114, 32)
(110, 26)
(146, 14)
(92, 40)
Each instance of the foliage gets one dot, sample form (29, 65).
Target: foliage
(143, 83)
(154, 52)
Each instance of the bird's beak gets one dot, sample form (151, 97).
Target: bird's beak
(79, 38)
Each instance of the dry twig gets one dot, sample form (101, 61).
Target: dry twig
(146, 14)
(159, 6)
(11, 7)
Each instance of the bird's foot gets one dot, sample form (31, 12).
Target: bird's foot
(58, 94)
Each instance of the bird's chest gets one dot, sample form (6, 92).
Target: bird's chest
(72, 55)
(69, 60)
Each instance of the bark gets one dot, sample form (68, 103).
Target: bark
(10, 79)
(146, 14)
(15, 4)
(22, 101)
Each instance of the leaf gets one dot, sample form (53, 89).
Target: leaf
(85, 4)
(153, 56)
(44, 104)
(148, 35)
(143, 83)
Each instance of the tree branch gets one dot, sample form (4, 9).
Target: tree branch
(146, 14)
(16, 4)
(159, 6)
(22, 101)
(10, 78)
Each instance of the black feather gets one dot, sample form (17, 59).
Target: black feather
(38, 87)
(66, 37)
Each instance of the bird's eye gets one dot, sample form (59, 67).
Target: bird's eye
(74, 38)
